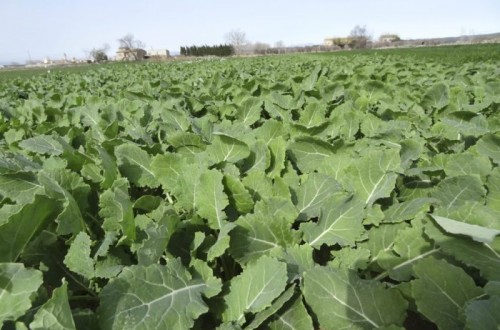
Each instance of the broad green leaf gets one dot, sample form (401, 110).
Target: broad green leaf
(56, 312)
(468, 164)
(150, 297)
(117, 209)
(158, 233)
(249, 110)
(210, 199)
(109, 167)
(309, 152)
(493, 186)
(17, 286)
(340, 299)
(275, 307)
(348, 258)
(442, 291)
(227, 149)
(238, 195)
(483, 314)
(259, 158)
(278, 154)
(254, 289)
(374, 175)
(454, 192)
(70, 220)
(409, 247)
(168, 169)
(313, 115)
(313, 193)
(309, 83)
(43, 144)
(477, 233)
(222, 243)
(381, 239)
(295, 317)
(340, 223)
(20, 187)
(135, 164)
(489, 145)
(22, 226)
(483, 256)
(407, 210)
(259, 234)
(78, 258)
(437, 97)
(298, 258)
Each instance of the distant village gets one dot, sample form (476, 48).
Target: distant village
(133, 50)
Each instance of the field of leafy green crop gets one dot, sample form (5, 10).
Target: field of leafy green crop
(291, 192)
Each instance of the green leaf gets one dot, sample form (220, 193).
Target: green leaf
(20, 187)
(298, 258)
(441, 292)
(17, 286)
(313, 193)
(254, 289)
(437, 97)
(227, 149)
(56, 312)
(477, 233)
(339, 223)
(493, 184)
(409, 247)
(456, 191)
(340, 299)
(165, 222)
(238, 194)
(25, 224)
(278, 154)
(259, 234)
(135, 164)
(78, 258)
(70, 220)
(309, 152)
(348, 258)
(150, 297)
(374, 175)
(295, 317)
(489, 145)
(483, 256)
(249, 110)
(43, 144)
(222, 243)
(483, 314)
(117, 209)
(210, 199)
(275, 307)
(407, 210)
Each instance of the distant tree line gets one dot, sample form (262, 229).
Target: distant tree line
(205, 50)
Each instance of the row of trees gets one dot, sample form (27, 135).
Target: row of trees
(205, 50)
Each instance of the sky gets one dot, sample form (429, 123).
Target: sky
(37, 29)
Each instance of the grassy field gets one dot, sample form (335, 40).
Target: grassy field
(347, 190)
(448, 54)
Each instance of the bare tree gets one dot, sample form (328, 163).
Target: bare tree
(99, 54)
(237, 39)
(131, 45)
(359, 37)
(261, 48)
(279, 45)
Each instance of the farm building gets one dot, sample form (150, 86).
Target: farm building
(158, 53)
(130, 54)
(389, 38)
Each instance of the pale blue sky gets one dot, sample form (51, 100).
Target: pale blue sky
(51, 28)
